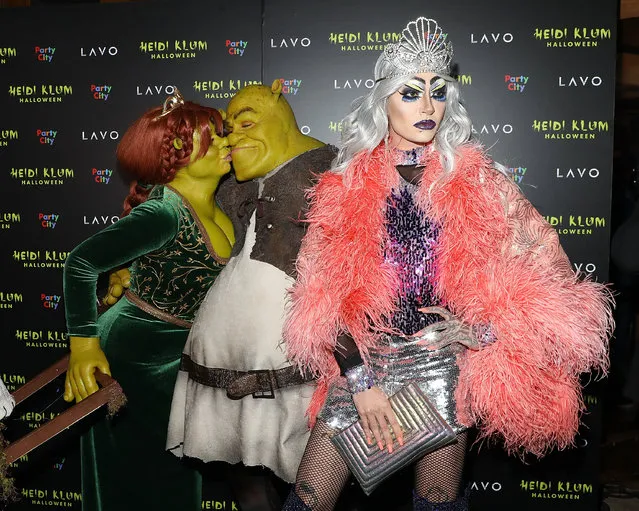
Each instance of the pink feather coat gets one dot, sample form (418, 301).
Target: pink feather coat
(498, 262)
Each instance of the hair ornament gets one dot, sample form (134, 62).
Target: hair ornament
(422, 48)
(177, 143)
(172, 102)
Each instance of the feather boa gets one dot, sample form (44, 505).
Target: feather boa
(499, 262)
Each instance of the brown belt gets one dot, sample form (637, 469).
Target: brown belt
(238, 384)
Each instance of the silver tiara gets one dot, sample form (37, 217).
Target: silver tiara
(422, 48)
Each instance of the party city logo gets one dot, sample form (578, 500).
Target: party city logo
(51, 302)
(13, 381)
(40, 93)
(580, 81)
(572, 37)
(8, 219)
(579, 225)
(575, 129)
(175, 49)
(363, 41)
(493, 129)
(7, 53)
(99, 136)
(577, 173)
(99, 51)
(517, 173)
(46, 259)
(46, 137)
(491, 38)
(7, 136)
(556, 490)
(100, 92)
(48, 497)
(42, 176)
(290, 85)
(10, 298)
(236, 47)
(44, 54)
(48, 220)
(516, 83)
(290, 42)
(221, 89)
(43, 338)
(102, 176)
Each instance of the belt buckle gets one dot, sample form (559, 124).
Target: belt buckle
(264, 394)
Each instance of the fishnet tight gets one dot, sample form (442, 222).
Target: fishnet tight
(323, 474)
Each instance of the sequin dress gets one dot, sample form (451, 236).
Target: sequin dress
(397, 360)
(124, 462)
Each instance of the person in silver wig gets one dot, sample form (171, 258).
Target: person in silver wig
(424, 264)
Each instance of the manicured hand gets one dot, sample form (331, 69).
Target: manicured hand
(378, 418)
(444, 333)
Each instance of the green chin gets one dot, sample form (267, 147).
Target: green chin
(249, 164)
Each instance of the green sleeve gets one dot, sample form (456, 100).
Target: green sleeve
(147, 228)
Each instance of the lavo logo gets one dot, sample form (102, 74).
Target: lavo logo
(100, 220)
(592, 173)
(99, 51)
(100, 135)
(155, 90)
(580, 81)
(355, 83)
(485, 485)
(585, 267)
(491, 38)
(485, 129)
(290, 42)
(44, 54)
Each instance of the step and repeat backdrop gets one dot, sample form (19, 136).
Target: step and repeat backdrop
(538, 81)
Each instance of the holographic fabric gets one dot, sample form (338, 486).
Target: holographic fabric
(397, 360)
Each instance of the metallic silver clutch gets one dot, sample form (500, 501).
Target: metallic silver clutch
(424, 431)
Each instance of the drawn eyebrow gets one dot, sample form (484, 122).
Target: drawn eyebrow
(243, 110)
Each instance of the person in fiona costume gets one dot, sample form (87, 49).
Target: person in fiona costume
(424, 262)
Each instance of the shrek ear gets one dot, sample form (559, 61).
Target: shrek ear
(276, 87)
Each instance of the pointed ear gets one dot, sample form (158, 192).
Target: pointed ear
(276, 87)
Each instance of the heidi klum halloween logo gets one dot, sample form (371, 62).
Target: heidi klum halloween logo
(570, 129)
(221, 89)
(580, 225)
(7, 136)
(7, 219)
(173, 49)
(556, 490)
(363, 41)
(43, 338)
(13, 381)
(40, 93)
(42, 176)
(572, 37)
(7, 53)
(9, 298)
(43, 259)
(48, 497)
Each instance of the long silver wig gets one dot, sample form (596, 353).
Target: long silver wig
(367, 123)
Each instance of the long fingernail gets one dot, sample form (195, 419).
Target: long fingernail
(381, 446)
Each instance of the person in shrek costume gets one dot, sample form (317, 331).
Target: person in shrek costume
(237, 399)
(179, 240)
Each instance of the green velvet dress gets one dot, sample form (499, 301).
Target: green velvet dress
(124, 462)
